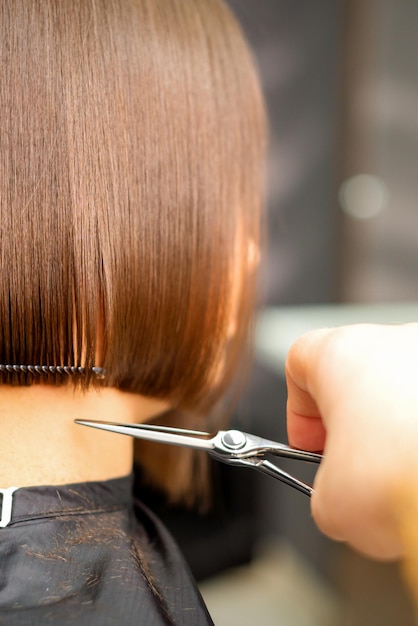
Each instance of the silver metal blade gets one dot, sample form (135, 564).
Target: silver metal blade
(161, 434)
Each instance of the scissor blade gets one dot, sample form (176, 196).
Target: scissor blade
(161, 434)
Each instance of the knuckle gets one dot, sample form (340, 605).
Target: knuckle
(326, 518)
(327, 508)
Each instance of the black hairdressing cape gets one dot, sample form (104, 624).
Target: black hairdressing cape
(86, 554)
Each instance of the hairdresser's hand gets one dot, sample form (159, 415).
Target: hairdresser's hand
(353, 392)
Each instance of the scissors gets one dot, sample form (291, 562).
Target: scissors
(233, 447)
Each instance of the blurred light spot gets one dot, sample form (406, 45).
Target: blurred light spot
(253, 255)
(363, 196)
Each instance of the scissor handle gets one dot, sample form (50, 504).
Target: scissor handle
(245, 445)
(294, 453)
(266, 467)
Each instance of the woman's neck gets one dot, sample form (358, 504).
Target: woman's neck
(40, 444)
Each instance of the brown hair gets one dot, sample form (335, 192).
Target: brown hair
(131, 166)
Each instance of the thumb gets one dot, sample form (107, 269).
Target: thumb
(304, 421)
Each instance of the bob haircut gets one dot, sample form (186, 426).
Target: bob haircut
(131, 176)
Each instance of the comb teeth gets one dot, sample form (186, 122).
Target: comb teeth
(39, 370)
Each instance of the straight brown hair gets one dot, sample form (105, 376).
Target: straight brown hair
(131, 176)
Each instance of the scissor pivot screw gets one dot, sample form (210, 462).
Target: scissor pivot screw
(234, 439)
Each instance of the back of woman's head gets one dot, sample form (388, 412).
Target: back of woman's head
(131, 150)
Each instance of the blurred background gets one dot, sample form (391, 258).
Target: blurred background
(341, 83)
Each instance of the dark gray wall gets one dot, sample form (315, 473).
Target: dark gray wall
(379, 260)
(298, 48)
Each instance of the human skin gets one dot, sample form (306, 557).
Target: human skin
(353, 393)
(41, 445)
